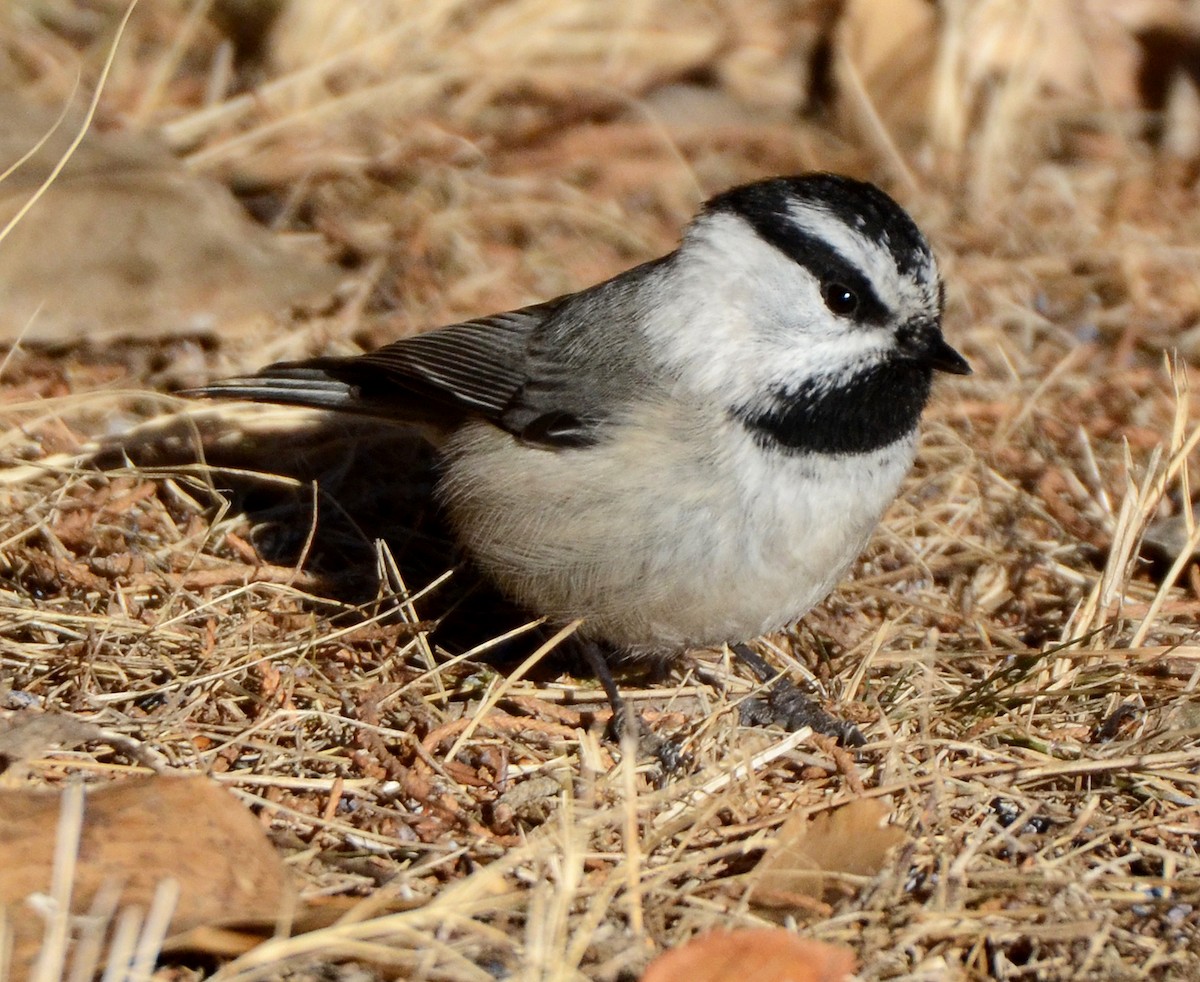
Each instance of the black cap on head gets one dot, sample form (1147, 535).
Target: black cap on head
(766, 205)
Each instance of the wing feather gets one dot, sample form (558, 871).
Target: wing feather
(477, 366)
(480, 364)
(553, 374)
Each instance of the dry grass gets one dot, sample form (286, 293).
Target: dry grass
(1024, 665)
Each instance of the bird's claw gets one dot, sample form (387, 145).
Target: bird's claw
(786, 705)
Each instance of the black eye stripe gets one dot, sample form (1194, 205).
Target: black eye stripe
(823, 261)
(858, 205)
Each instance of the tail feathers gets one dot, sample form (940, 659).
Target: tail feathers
(289, 386)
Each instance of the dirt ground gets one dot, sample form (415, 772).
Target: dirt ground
(247, 592)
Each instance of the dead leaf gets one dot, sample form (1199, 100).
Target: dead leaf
(31, 733)
(753, 955)
(808, 853)
(128, 243)
(136, 834)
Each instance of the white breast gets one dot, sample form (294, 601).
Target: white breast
(685, 533)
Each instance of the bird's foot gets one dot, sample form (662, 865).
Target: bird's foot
(786, 705)
(669, 755)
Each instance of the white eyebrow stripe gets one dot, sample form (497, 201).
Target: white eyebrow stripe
(873, 258)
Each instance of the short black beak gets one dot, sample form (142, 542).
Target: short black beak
(942, 357)
(925, 344)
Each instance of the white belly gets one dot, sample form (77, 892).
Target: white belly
(693, 537)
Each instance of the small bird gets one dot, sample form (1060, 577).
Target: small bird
(693, 452)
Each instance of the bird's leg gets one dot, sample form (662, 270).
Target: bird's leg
(786, 705)
(670, 755)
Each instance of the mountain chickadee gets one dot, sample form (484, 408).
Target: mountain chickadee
(693, 452)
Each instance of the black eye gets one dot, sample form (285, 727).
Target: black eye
(839, 298)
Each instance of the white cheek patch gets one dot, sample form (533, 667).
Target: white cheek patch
(740, 318)
(732, 304)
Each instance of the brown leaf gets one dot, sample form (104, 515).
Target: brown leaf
(808, 853)
(754, 955)
(136, 834)
(27, 734)
(128, 243)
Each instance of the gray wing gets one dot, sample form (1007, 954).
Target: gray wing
(552, 374)
(474, 368)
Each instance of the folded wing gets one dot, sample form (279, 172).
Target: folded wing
(477, 367)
